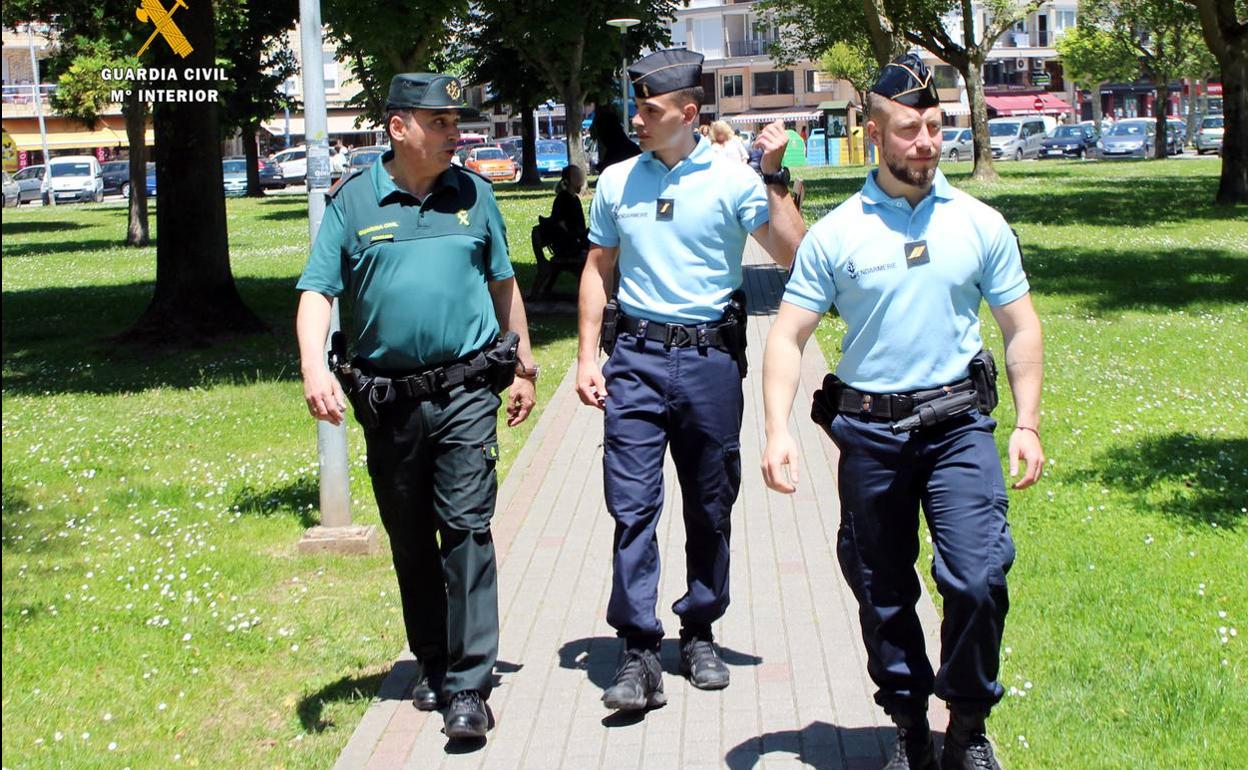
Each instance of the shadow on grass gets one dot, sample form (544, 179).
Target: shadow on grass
(14, 506)
(821, 746)
(301, 497)
(61, 248)
(1213, 473)
(1107, 202)
(311, 708)
(1124, 279)
(55, 226)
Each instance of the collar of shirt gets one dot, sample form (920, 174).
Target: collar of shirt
(385, 187)
(702, 155)
(874, 195)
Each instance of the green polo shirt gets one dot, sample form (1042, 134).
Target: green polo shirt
(416, 273)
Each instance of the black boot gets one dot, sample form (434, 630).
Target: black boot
(700, 661)
(966, 743)
(466, 717)
(425, 690)
(638, 682)
(914, 749)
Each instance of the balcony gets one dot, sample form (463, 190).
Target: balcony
(19, 101)
(758, 47)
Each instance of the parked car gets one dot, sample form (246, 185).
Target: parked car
(956, 144)
(1209, 135)
(491, 162)
(1176, 136)
(363, 157)
(1069, 142)
(74, 178)
(1131, 138)
(294, 164)
(30, 182)
(12, 191)
(1016, 138)
(116, 175)
(552, 157)
(150, 179)
(271, 177)
(234, 176)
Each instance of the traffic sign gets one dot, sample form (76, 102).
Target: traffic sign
(1038, 104)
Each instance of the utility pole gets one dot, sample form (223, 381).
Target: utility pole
(43, 131)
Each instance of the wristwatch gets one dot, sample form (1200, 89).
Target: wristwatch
(528, 374)
(781, 177)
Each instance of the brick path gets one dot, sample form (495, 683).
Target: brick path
(799, 697)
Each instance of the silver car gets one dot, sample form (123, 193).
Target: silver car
(30, 181)
(956, 144)
(12, 191)
(1209, 136)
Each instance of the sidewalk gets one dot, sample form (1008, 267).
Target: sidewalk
(800, 696)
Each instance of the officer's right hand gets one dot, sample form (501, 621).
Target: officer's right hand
(324, 396)
(780, 463)
(590, 385)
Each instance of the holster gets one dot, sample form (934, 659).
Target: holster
(610, 320)
(503, 355)
(938, 410)
(735, 316)
(983, 372)
(357, 385)
(825, 404)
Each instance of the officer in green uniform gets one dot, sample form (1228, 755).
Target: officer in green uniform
(418, 250)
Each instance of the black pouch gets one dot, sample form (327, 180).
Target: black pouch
(610, 320)
(502, 357)
(984, 375)
(735, 313)
(826, 402)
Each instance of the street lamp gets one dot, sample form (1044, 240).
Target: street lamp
(622, 25)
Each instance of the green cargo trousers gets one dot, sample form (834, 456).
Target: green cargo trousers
(432, 468)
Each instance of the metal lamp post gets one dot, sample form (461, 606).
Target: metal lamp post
(622, 25)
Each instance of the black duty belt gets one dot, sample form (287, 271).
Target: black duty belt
(709, 335)
(893, 406)
(428, 382)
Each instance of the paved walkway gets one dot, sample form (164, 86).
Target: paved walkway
(799, 697)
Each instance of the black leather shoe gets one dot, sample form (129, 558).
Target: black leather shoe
(914, 750)
(966, 744)
(425, 694)
(701, 664)
(638, 683)
(466, 717)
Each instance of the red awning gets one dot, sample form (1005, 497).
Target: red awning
(1025, 104)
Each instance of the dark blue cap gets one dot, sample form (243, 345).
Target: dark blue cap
(907, 80)
(672, 69)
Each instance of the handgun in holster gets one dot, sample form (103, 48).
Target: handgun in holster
(357, 386)
(983, 372)
(735, 317)
(502, 357)
(825, 403)
(938, 410)
(610, 319)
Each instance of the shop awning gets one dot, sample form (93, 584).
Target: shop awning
(767, 117)
(835, 104)
(103, 136)
(337, 124)
(954, 108)
(1025, 104)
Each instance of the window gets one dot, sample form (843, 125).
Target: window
(1065, 20)
(772, 83)
(945, 76)
(733, 86)
(331, 76)
(817, 82)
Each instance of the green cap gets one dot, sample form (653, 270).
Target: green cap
(425, 91)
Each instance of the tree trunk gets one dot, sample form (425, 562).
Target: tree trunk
(1161, 93)
(973, 76)
(574, 111)
(135, 113)
(1098, 114)
(252, 152)
(195, 298)
(1192, 87)
(529, 177)
(1233, 187)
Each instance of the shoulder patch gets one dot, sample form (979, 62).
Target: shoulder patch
(342, 182)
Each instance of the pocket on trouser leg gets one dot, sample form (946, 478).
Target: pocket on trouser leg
(731, 483)
(465, 486)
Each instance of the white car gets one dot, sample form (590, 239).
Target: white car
(74, 178)
(294, 163)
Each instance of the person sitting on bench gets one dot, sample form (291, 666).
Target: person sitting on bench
(567, 233)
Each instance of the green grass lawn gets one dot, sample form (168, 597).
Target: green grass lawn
(1125, 642)
(156, 614)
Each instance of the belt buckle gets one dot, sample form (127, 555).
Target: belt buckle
(676, 334)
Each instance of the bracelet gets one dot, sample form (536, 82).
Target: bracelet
(1027, 427)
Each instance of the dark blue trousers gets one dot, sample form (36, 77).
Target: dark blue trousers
(954, 472)
(690, 400)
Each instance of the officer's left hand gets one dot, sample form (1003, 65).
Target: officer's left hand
(1025, 445)
(772, 140)
(521, 398)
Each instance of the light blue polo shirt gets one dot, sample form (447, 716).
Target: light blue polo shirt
(912, 324)
(680, 231)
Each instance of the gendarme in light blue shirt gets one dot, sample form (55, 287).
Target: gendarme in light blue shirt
(912, 324)
(680, 231)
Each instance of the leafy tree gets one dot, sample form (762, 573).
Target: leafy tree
(811, 27)
(855, 65)
(1224, 24)
(1091, 57)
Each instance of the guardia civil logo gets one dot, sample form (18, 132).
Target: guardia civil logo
(153, 11)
